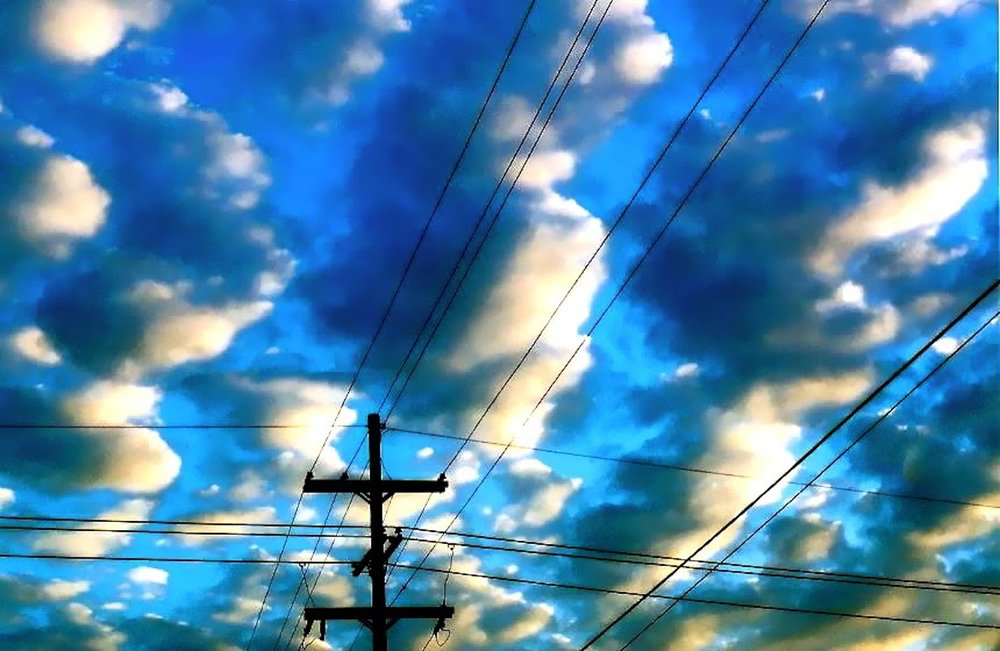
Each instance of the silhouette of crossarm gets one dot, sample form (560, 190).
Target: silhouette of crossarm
(364, 486)
(366, 615)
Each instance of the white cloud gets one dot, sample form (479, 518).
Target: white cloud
(113, 605)
(388, 14)
(517, 306)
(248, 517)
(186, 333)
(955, 171)
(59, 590)
(90, 543)
(686, 370)
(904, 60)
(63, 204)
(108, 402)
(643, 58)
(82, 31)
(34, 137)
(896, 13)
(532, 622)
(145, 575)
(32, 344)
(7, 497)
(847, 295)
(237, 166)
(424, 453)
(170, 98)
(819, 94)
(945, 345)
(546, 168)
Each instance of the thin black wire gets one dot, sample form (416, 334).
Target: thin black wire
(657, 560)
(714, 602)
(158, 427)
(395, 294)
(496, 216)
(282, 525)
(704, 471)
(621, 215)
(482, 215)
(298, 503)
(628, 278)
(456, 437)
(319, 571)
(882, 417)
(808, 453)
(510, 579)
(468, 242)
(437, 206)
(507, 579)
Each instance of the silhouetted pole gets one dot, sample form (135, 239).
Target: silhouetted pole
(375, 490)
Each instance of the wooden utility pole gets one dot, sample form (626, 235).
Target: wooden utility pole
(375, 490)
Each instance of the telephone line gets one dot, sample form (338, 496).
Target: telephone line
(751, 570)
(506, 579)
(691, 469)
(864, 433)
(463, 534)
(399, 286)
(808, 453)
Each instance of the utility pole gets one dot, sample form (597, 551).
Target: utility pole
(375, 490)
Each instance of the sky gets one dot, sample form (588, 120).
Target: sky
(206, 207)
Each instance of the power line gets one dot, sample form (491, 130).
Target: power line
(864, 433)
(482, 216)
(801, 459)
(506, 579)
(496, 216)
(399, 286)
(627, 557)
(32, 426)
(628, 278)
(716, 602)
(476, 536)
(692, 469)
(548, 118)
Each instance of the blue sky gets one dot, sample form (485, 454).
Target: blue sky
(205, 209)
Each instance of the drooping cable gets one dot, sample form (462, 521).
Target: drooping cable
(864, 433)
(874, 393)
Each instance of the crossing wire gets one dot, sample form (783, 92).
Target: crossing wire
(548, 118)
(705, 471)
(604, 241)
(808, 453)
(511, 579)
(627, 557)
(482, 216)
(395, 294)
(882, 417)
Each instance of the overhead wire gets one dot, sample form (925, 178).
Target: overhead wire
(874, 393)
(555, 105)
(626, 557)
(395, 294)
(479, 221)
(864, 433)
(440, 199)
(633, 270)
(691, 469)
(507, 579)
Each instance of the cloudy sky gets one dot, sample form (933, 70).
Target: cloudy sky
(207, 205)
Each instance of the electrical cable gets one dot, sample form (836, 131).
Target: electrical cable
(507, 579)
(801, 459)
(864, 433)
(691, 469)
